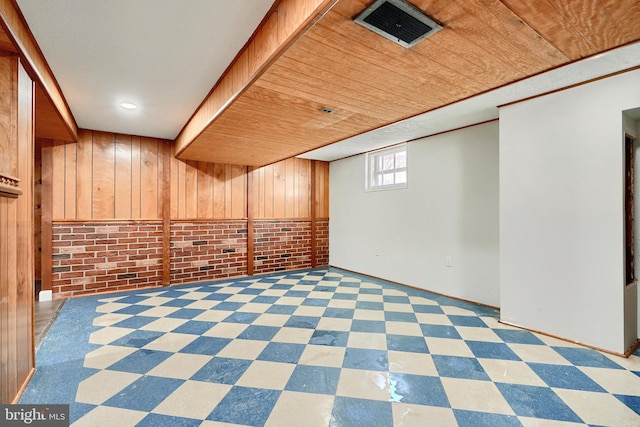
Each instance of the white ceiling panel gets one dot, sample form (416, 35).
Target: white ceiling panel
(162, 55)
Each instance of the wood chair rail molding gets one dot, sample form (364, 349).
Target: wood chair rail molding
(9, 186)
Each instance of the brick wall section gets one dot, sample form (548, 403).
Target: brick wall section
(281, 245)
(322, 242)
(97, 257)
(94, 257)
(208, 250)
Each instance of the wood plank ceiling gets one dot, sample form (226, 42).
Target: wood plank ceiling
(370, 81)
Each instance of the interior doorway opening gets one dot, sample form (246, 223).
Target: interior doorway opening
(630, 274)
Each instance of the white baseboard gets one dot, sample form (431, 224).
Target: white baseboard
(45, 296)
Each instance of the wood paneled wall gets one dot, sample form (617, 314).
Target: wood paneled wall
(106, 176)
(112, 176)
(37, 207)
(207, 190)
(283, 190)
(321, 192)
(202, 190)
(16, 229)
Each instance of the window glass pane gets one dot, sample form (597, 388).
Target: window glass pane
(387, 168)
(388, 162)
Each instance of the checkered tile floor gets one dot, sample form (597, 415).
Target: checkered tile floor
(318, 348)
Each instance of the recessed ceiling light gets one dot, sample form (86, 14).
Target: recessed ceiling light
(128, 105)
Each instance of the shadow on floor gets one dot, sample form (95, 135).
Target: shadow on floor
(45, 313)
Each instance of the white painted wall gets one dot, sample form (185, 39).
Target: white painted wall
(450, 208)
(561, 211)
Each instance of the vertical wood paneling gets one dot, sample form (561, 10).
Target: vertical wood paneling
(149, 178)
(70, 170)
(166, 213)
(103, 175)
(269, 178)
(295, 199)
(160, 196)
(123, 184)
(46, 219)
(7, 115)
(58, 176)
(107, 176)
(218, 190)
(24, 229)
(304, 188)
(84, 182)
(16, 234)
(290, 196)
(113, 176)
(14, 285)
(182, 189)
(174, 186)
(136, 188)
(5, 288)
(37, 210)
(279, 189)
(322, 191)
(250, 219)
(314, 214)
(205, 190)
(228, 190)
(191, 189)
(259, 193)
(238, 192)
(283, 189)
(252, 181)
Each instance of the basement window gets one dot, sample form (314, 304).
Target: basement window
(387, 168)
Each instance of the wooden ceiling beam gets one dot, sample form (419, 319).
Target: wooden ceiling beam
(272, 103)
(286, 22)
(58, 114)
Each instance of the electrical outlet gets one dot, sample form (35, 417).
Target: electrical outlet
(377, 252)
(449, 261)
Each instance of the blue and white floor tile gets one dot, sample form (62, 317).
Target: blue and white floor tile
(318, 347)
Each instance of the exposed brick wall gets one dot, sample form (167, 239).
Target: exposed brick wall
(91, 257)
(281, 245)
(96, 257)
(208, 250)
(322, 242)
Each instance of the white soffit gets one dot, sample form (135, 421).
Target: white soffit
(162, 55)
(484, 107)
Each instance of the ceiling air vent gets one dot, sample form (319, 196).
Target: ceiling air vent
(398, 21)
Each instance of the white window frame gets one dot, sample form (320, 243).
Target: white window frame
(374, 168)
